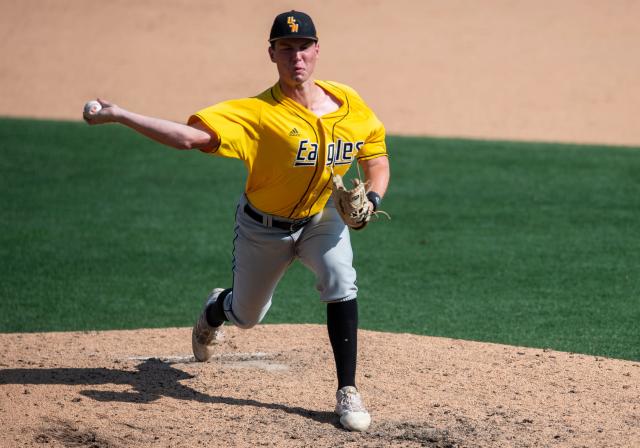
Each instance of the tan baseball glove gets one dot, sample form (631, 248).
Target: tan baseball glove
(352, 205)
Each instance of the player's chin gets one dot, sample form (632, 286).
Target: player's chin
(300, 76)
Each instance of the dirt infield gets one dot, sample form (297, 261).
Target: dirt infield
(274, 385)
(559, 71)
(552, 71)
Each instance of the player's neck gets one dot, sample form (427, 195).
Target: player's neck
(311, 96)
(303, 93)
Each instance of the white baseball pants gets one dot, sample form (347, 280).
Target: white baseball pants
(262, 255)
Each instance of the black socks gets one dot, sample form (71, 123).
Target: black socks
(215, 312)
(342, 324)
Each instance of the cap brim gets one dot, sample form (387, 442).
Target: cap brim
(294, 37)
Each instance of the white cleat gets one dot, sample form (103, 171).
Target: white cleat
(204, 337)
(349, 406)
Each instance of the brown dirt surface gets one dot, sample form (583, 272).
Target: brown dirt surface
(274, 386)
(558, 71)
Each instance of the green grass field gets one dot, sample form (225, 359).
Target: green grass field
(518, 243)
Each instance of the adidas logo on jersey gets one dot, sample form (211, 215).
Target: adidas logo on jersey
(294, 133)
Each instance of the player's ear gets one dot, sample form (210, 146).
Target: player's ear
(271, 52)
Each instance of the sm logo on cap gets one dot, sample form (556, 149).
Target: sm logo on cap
(291, 21)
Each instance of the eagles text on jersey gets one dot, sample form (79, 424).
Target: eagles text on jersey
(338, 153)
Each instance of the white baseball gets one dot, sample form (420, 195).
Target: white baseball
(91, 108)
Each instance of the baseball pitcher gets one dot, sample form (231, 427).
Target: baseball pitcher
(296, 139)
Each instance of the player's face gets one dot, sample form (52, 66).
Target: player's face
(295, 59)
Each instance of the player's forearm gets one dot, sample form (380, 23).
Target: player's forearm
(377, 173)
(176, 135)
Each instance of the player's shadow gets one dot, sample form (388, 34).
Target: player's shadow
(152, 380)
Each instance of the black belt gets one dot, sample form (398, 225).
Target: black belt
(292, 226)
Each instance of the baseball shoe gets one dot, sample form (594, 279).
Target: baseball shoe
(349, 406)
(204, 337)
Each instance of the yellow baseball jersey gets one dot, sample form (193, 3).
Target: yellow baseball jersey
(290, 153)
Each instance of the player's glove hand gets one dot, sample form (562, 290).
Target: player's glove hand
(354, 207)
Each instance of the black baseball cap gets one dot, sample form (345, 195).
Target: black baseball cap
(293, 24)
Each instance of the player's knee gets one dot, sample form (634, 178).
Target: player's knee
(339, 289)
(337, 283)
(245, 320)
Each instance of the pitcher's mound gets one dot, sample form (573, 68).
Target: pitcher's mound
(274, 386)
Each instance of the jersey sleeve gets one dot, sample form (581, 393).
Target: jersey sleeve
(375, 144)
(236, 123)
